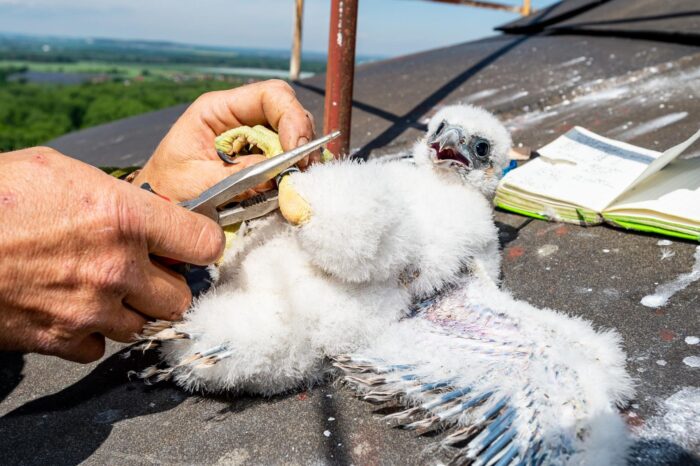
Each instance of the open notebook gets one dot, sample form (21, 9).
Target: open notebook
(584, 178)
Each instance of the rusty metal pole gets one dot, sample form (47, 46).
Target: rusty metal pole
(340, 74)
(295, 60)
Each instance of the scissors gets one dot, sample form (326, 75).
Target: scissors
(211, 201)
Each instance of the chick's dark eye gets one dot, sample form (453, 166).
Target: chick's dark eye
(482, 148)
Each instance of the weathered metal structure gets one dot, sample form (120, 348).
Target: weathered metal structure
(295, 60)
(340, 73)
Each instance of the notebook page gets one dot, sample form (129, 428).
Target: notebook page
(583, 169)
(673, 191)
(667, 157)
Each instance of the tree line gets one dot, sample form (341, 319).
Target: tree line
(32, 114)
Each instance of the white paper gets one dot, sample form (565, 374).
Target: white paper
(667, 157)
(583, 169)
(675, 192)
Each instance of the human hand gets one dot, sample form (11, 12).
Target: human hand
(74, 256)
(185, 163)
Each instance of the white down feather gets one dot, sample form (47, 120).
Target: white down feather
(381, 234)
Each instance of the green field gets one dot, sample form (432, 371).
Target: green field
(32, 114)
(52, 86)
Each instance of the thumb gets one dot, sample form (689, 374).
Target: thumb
(174, 232)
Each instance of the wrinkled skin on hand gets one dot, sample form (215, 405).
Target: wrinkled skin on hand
(185, 163)
(74, 256)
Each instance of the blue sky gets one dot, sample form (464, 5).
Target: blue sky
(385, 27)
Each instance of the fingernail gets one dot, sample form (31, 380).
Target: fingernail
(302, 140)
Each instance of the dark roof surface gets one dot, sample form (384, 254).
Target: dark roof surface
(641, 91)
(125, 142)
(675, 20)
(549, 15)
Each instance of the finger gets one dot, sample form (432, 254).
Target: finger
(315, 156)
(87, 349)
(304, 163)
(122, 324)
(272, 103)
(295, 126)
(310, 116)
(161, 294)
(176, 233)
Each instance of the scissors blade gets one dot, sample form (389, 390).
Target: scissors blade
(223, 191)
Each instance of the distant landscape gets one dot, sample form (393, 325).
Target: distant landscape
(51, 86)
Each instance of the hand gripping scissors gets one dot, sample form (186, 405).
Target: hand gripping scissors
(210, 201)
(216, 202)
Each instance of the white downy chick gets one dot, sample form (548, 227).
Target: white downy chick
(441, 205)
(380, 235)
(467, 142)
(510, 383)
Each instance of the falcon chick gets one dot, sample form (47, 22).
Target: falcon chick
(468, 142)
(372, 238)
(389, 269)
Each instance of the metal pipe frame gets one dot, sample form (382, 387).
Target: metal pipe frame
(295, 60)
(340, 74)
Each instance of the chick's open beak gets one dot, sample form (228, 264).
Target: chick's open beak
(450, 147)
